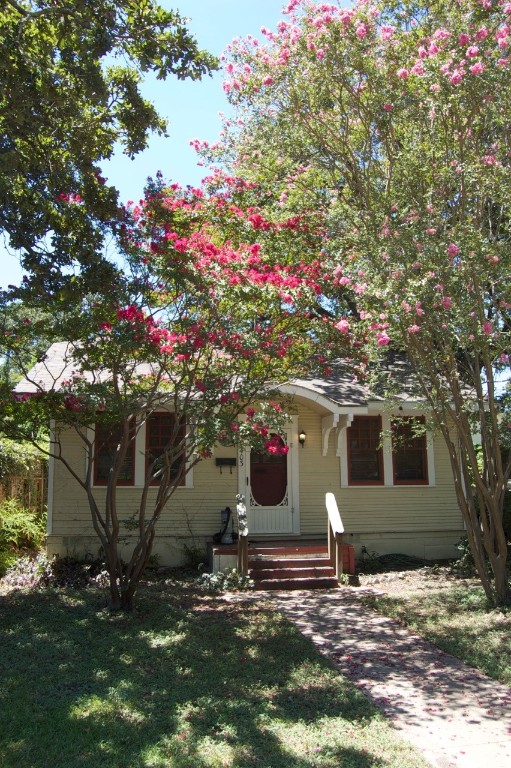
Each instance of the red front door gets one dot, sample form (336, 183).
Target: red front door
(268, 478)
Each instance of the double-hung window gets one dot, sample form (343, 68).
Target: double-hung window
(165, 441)
(365, 455)
(409, 451)
(107, 438)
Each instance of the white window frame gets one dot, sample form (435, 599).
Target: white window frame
(139, 477)
(388, 468)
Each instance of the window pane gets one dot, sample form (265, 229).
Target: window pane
(160, 433)
(364, 451)
(410, 452)
(107, 438)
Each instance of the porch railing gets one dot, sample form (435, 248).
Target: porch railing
(241, 514)
(335, 535)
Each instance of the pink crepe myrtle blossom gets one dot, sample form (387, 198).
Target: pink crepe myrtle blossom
(71, 198)
(413, 329)
(418, 68)
(487, 328)
(361, 31)
(477, 68)
(441, 34)
(343, 325)
(72, 403)
(402, 73)
(275, 446)
(452, 250)
(382, 339)
(387, 32)
(446, 302)
(473, 51)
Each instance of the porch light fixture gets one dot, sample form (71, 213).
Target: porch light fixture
(302, 437)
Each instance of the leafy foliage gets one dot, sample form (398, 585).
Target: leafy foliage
(70, 90)
(20, 530)
(212, 312)
(389, 118)
(17, 458)
(229, 580)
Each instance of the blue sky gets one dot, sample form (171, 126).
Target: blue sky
(190, 107)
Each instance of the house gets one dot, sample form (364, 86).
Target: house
(393, 497)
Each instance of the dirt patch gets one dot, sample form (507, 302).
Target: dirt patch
(416, 581)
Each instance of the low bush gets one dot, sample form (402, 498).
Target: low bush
(32, 571)
(225, 581)
(20, 530)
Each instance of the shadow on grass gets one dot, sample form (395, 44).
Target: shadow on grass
(459, 621)
(182, 682)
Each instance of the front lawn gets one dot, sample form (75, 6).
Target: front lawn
(185, 681)
(455, 617)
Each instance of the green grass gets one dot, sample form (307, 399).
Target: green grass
(184, 681)
(458, 621)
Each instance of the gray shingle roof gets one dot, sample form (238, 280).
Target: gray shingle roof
(341, 386)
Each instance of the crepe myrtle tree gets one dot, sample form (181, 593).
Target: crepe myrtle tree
(203, 327)
(392, 117)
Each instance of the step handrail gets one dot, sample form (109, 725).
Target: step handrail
(335, 535)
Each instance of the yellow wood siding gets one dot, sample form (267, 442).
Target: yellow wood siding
(369, 514)
(193, 510)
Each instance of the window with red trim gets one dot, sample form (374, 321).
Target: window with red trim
(409, 453)
(162, 433)
(106, 440)
(365, 456)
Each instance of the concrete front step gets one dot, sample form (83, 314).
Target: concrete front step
(303, 550)
(263, 562)
(283, 572)
(295, 583)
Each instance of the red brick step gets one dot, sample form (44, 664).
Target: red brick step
(294, 567)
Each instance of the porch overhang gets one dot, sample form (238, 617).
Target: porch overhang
(334, 415)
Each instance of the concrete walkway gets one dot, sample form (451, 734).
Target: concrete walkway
(456, 716)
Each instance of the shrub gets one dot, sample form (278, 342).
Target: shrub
(20, 529)
(465, 563)
(225, 581)
(37, 571)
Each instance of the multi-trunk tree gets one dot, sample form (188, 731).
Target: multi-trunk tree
(211, 312)
(392, 119)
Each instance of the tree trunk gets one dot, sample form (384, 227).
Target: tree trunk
(502, 588)
(127, 599)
